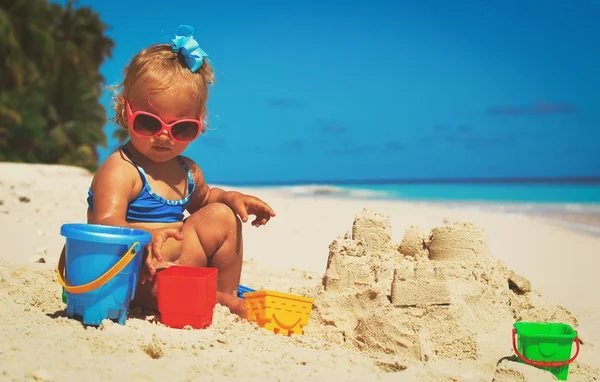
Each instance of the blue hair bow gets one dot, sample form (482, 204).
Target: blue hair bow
(189, 48)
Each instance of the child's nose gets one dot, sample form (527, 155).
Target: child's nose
(164, 135)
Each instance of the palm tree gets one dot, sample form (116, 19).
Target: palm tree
(50, 82)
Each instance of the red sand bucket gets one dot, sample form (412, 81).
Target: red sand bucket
(187, 296)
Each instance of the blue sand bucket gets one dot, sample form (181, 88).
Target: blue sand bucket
(102, 264)
(243, 289)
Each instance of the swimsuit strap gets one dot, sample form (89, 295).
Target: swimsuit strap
(191, 184)
(137, 165)
(190, 179)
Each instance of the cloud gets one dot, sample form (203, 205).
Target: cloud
(334, 128)
(540, 108)
(284, 102)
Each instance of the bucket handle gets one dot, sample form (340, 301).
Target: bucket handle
(544, 363)
(100, 281)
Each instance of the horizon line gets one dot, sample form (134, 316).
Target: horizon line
(508, 180)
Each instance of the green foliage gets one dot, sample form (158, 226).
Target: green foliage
(50, 85)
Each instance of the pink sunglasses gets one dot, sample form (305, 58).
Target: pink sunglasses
(148, 125)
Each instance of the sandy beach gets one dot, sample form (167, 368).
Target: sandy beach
(403, 291)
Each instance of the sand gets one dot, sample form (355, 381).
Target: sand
(402, 291)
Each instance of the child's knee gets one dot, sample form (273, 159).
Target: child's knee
(209, 229)
(221, 213)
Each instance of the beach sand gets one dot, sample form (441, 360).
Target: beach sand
(402, 290)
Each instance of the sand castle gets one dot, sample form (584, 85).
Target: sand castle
(434, 296)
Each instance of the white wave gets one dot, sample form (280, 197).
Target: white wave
(330, 190)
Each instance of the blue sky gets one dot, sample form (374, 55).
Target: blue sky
(329, 90)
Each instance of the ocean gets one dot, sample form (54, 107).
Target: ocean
(550, 193)
(574, 205)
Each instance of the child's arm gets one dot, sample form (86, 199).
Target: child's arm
(203, 194)
(112, 187)
(243, 205)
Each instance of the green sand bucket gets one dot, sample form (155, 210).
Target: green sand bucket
(546, 345)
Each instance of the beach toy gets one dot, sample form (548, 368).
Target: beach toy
(546, 345)
(102, 264)
(186, 296)
(278, 312)
(244, 289)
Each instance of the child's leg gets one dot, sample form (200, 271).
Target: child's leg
(212, 237)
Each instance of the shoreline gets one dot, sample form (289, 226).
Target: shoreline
(574, 216)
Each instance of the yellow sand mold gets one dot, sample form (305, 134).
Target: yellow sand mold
(278, 312)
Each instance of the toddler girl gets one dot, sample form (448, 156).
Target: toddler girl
(147, 184)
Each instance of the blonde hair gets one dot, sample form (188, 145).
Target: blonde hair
(165, 69)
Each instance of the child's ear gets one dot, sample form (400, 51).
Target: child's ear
(122, 110)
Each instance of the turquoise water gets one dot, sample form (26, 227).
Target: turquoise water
(504, 193)
(528, 193)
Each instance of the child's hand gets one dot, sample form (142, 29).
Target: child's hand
(153, 250)
(245, 205)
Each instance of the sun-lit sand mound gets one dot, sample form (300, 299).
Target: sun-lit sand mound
(433, 298)
(38, 342)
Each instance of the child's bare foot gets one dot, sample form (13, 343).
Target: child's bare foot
(235, 304)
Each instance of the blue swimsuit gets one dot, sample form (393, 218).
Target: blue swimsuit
(151, 207)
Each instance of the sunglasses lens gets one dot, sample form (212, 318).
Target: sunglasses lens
(146, 125)
(185, 131)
